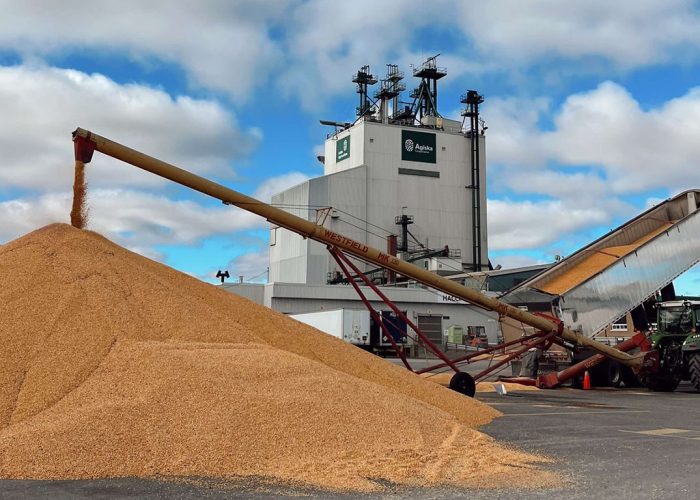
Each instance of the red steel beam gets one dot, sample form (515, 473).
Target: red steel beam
(526, 346)
(377, 319)
(438, 352)
(555, 379)
(637, 340)
(467, 358)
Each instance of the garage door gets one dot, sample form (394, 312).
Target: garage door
(431, 326)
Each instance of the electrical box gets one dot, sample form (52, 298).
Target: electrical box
(455, 335)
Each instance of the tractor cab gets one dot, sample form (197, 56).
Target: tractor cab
(677, 339)
(677, 318)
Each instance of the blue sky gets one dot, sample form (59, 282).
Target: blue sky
(593, 111)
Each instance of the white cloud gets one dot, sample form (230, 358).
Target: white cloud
(314, 46)
(275, 185)
(638, 149)
(234, 46)
(329, 41)
(513, 135)
(603, 147)
(22, 215)
(622, 147)
(526, 224)
(319, 150)
(644, 33)
(134, 219)
(220, 44)
(41, 106)
(576, 188)
(252, 266)
(652, 202)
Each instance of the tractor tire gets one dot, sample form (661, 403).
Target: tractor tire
(629, 378)
(463, 383)
(662, 384)
(694, 370)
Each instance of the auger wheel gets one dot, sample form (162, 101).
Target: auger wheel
(463, 383)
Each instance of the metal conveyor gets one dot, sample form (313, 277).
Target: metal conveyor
(611, 276)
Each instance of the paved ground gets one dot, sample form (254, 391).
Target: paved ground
(609, 444)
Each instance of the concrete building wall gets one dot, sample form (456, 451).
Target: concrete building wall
(371, 186)
(250, 291)
(293, 298)
(294, 259)
(289, 253)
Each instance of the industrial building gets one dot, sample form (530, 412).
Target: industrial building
(405, 179)
(400, 177)
(399, 169)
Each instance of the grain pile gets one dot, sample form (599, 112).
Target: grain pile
(114, 365)
(594, 263)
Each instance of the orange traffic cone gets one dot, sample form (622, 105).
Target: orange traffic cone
(586, 381)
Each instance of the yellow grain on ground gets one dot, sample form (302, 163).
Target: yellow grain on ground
(595, 263)
(509, 386)
(116, 366)
(443, 379)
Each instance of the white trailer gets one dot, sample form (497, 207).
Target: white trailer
(350, 325)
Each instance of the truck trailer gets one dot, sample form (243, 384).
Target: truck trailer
(350, 325)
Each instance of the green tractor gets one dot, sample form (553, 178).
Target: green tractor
(677, 339)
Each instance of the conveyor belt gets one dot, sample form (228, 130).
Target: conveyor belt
(595, 262)
(604, 280)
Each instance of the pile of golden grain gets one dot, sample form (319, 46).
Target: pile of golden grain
(115, 365)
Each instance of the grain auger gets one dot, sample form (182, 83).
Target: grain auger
(548, 330)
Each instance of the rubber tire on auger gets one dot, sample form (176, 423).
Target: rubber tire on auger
(694, 370)
(463, 383)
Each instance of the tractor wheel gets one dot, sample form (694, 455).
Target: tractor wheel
(629, 377)
(662, 384)
(694, 370)
(463, 383)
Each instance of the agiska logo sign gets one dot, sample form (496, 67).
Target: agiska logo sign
(418, 146)
(342, 149)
